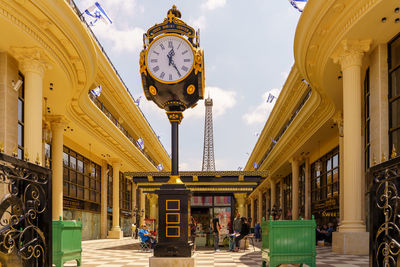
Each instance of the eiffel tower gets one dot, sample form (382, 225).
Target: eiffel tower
(208, 150)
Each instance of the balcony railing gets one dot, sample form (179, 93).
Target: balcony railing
(79, 14)
(109, 115)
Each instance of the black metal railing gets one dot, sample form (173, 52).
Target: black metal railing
(114, 120)
(25, 213)
(384, 210)
(79, 14)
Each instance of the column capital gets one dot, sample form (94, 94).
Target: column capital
(152, 197)
(57, 121)
(115, 162)
(240, 196)
(32, 59)
(350, 52)
(294, 160)
(338, 119)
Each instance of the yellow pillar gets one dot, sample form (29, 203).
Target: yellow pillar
(353, 238)
(252, 211)
(240, 199)
(32, 62)
(153, 206)
(134, 188)
(115, 232)
(273, 193)
(295, 189)
(57, 127)
(307, 189)
(259, 207)
(142, 206)
(103, 204)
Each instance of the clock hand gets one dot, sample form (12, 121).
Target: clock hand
(173, 64)
(170, 55)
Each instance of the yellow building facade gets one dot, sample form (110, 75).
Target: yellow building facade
(49, 63)
(336, 116)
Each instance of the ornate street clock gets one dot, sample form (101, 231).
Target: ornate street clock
(172, 64)
(172, 72)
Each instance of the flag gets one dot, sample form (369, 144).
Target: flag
(256, 134)
(140, 143)
(270, 98)
(298, 4)
(273, 140)
(137, 101)
(304, 81)
(96, 13)
(255, 165)
(160, 167)
(239, 168)
(96, 91)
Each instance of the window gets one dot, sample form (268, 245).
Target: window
(21, 118)
(278, 194)
(287, 197)
(367, 145)
(125, 195)
(325, 185)
(109, 186)
(81, 177)
(302, 192)
(394, 92)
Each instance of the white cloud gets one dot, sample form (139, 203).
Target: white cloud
(222, 101)
(126, 40)
(260, 113)
(200, 22)
(213, 4)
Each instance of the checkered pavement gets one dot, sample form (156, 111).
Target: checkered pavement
(126, 252)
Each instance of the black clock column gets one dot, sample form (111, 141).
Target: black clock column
(173, 206)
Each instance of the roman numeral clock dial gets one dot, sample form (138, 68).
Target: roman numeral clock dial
(170, 58)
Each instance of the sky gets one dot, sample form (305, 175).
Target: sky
(248, 48)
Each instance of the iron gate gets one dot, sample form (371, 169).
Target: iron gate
(25, 213)
(384, 217)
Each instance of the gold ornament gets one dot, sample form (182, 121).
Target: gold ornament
(152, 90)
(190, 89)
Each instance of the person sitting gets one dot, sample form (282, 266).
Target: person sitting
(245, 230)
(146, 237)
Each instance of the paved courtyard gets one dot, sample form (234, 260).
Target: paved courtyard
(125, 252)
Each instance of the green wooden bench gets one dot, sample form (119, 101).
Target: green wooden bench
(288, 242)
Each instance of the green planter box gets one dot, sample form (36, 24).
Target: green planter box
(67, 242)
(288, 242)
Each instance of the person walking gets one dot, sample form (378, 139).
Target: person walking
(193, 227)
(133, 229)
(216, 229)
(257, 231)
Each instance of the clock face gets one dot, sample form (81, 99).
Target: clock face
(170, 58)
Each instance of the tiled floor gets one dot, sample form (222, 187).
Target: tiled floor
(125, 252)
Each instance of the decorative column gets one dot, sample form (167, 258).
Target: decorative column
(252, 211)
(295, 189)
(259, 207)
(153, 205)
(338, 119)
(353, 239)
(103, 203)
(32, 62)
(241, 203)
(273, 193)
(134, 204)
(115, 232)
(307, 189)
(57, 127)
(142, 210)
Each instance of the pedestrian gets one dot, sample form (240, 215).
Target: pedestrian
(216, 228)
(193, 227)
(257, 231)
(237, 223)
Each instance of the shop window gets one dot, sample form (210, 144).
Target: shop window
(325, 187)
(21, 118)
(125, 193)
(302, 199)
(80, 176)
(367, 145)
(278, 194)
(394, 92)
(287, 197)
(109, 186)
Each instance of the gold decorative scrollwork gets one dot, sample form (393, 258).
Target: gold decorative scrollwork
(198, 61)
(142, 63)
